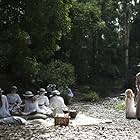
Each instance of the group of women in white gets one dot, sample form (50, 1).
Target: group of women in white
(12, 104)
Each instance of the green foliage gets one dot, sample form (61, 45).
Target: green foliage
(120, 105)
(79, 43)
(46, 22)
(86, 18)
(91, 96)
(13, 47)
(29, 73)
(60, 73)
(90, 33)
(30, 67)
(28, 34)
(35, 73)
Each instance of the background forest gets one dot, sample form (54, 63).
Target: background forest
(70, 42)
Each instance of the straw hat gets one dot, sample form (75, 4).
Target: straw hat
(55, 92)
(42, 91)
(28, 94)
(1, 90)
(138, 64)
(50, 85)
(54, 85)
(14, 88)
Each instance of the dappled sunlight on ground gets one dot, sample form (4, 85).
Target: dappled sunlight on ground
(95, 121)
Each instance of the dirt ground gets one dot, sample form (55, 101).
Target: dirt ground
(117, 128)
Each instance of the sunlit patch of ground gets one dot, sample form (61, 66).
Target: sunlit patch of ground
(119, 129)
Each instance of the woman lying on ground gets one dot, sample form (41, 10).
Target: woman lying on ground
(14, 100)
(43, 102)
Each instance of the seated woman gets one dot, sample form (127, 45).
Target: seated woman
(43, 102)
(4, 111)
(130, 104)
(5, 116)
(31, 108)
(49, 90)
(14, 100)
(68, 95)
(57, 102)
(31, 103)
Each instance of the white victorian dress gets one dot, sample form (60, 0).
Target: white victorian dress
(5, 116)
(14, 101)
(57, 104)
(31, 106)
(4, 111)
(43, 103)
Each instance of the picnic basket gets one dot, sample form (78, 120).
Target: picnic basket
(61, 119)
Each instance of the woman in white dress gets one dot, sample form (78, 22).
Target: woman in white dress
(130, 104)
(14, 100)
(57, 102)
(43, 102)
(31, 103)
(5, 116)
(4, 111)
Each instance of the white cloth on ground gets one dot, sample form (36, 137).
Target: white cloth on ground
(4, 112)
(13, 120)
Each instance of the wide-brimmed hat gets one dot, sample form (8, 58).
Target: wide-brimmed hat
(1, 90)
(55, 92)
(138, 64)
(54, 85)
(28, 94)
(42, 91)
(49, 85)
(14, 87)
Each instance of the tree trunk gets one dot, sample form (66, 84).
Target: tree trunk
(126, 38)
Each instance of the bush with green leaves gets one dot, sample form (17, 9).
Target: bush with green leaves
(120, 106)
(31, 73)
(60, 73)
(91, 96)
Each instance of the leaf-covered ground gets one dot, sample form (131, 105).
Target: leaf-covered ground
(120, 128)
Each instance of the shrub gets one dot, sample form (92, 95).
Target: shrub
(31, 73)
(120, 106)
(91, 96)
(61, 73)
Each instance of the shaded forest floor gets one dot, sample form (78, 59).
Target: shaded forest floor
(119, 129)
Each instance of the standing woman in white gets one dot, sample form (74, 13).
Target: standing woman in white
(138, 93)
(130, 104)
